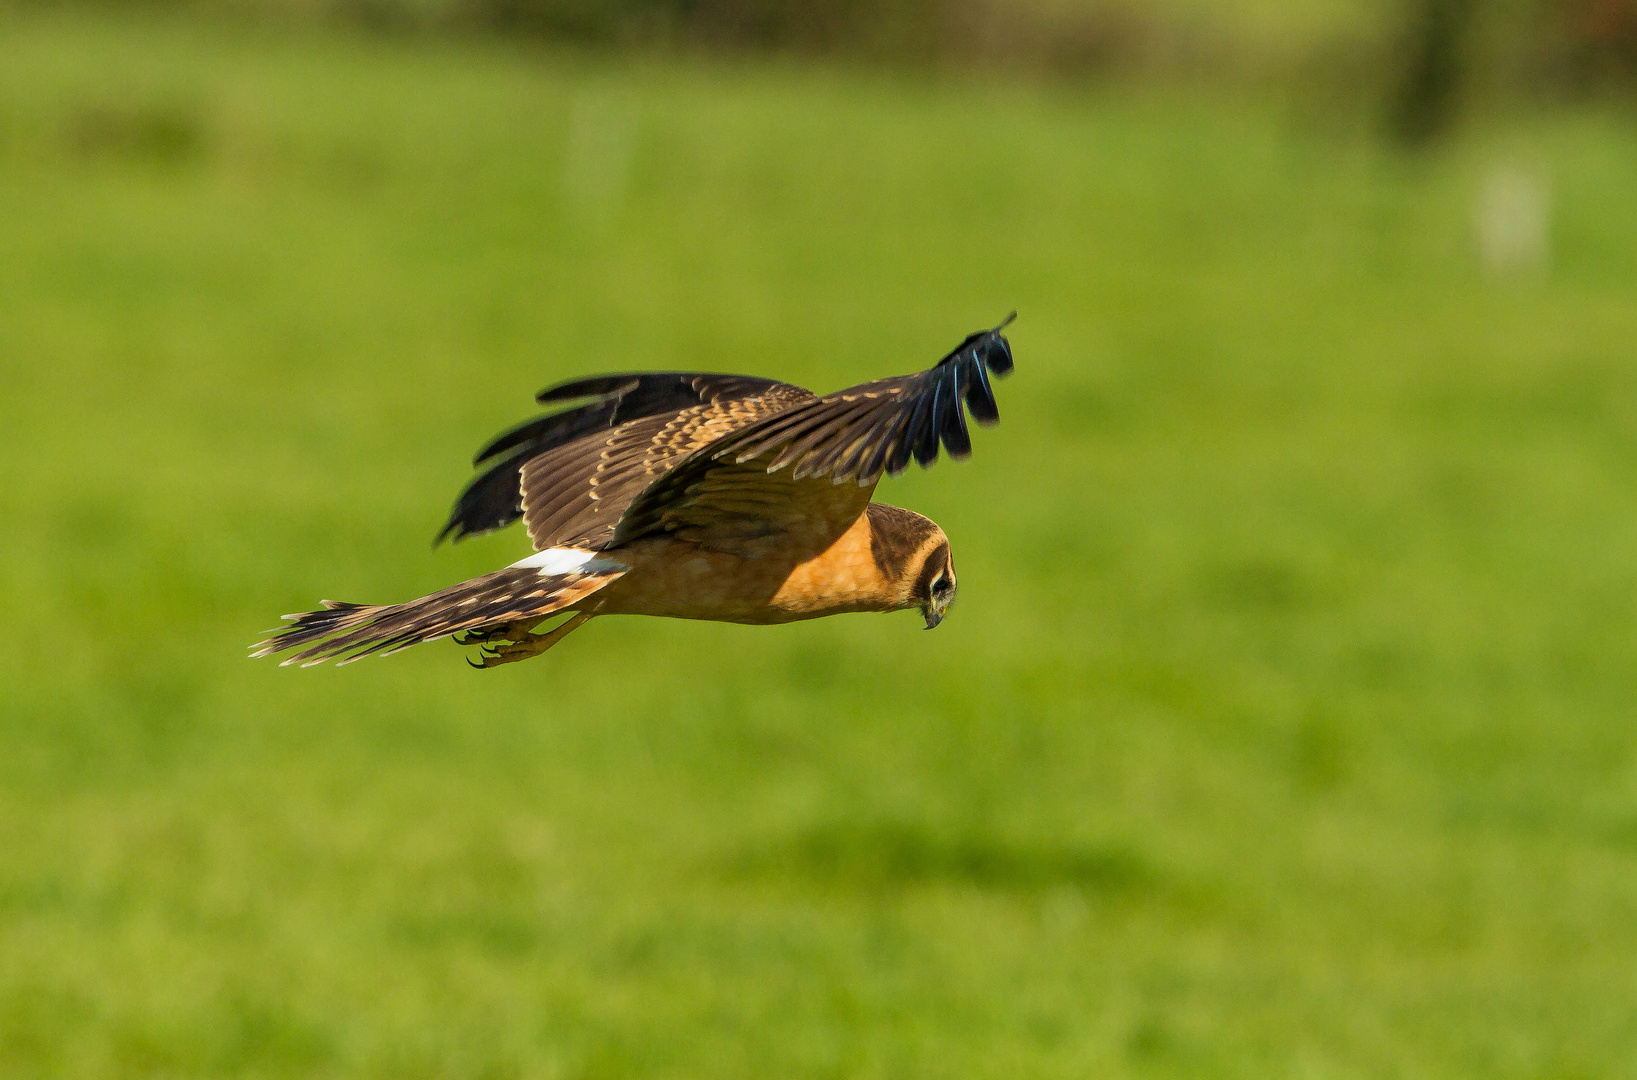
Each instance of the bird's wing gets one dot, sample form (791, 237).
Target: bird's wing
(569, 468)
(575, 495)
(773, 470)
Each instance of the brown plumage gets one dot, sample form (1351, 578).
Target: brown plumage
(693, 496)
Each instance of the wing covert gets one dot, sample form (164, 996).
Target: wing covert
(853, 435)
(494, 498)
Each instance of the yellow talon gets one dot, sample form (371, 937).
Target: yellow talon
(511, 649)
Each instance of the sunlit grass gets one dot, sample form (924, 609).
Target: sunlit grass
(1283, 726)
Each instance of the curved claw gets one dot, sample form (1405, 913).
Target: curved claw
(488, 657)
(509, 649)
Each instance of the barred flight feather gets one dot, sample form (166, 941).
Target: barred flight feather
(348, 632)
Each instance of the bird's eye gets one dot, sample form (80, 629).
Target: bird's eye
(937, 584)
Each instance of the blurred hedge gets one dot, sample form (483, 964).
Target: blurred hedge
(1073, 37)
(1414, 63)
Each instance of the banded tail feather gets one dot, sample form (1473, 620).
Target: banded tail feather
(530, 590)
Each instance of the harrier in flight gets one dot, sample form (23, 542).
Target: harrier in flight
(694, 496)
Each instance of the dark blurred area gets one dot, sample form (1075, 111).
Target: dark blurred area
(1443, 51)
(1417, 65)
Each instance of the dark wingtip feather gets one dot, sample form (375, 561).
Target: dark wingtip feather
(457, 529)
(991, 347)
(988, 345)
(927, 423)
(492, 500)
(980, 354)
(596, 386)
(996, 354)
(898, 461)
(955, 436)
(961, 376)
(980, 397)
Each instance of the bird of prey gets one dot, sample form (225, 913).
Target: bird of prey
(693, 496)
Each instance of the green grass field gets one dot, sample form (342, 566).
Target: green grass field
(1285, 726)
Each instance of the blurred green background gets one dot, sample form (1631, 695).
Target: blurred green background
(1284, 726)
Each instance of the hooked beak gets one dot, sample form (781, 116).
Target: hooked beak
(934, 612)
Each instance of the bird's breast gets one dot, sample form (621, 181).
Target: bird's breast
(780, 579)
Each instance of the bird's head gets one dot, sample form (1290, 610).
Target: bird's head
(935, 582)
(912, 556)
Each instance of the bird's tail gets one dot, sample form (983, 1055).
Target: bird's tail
(354, 631)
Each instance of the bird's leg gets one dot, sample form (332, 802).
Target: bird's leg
(511, 631)
(511, 650)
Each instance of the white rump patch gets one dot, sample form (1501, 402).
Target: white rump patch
(560, 561)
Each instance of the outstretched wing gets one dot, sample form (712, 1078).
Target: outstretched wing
(590, 445)
(853, 436)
